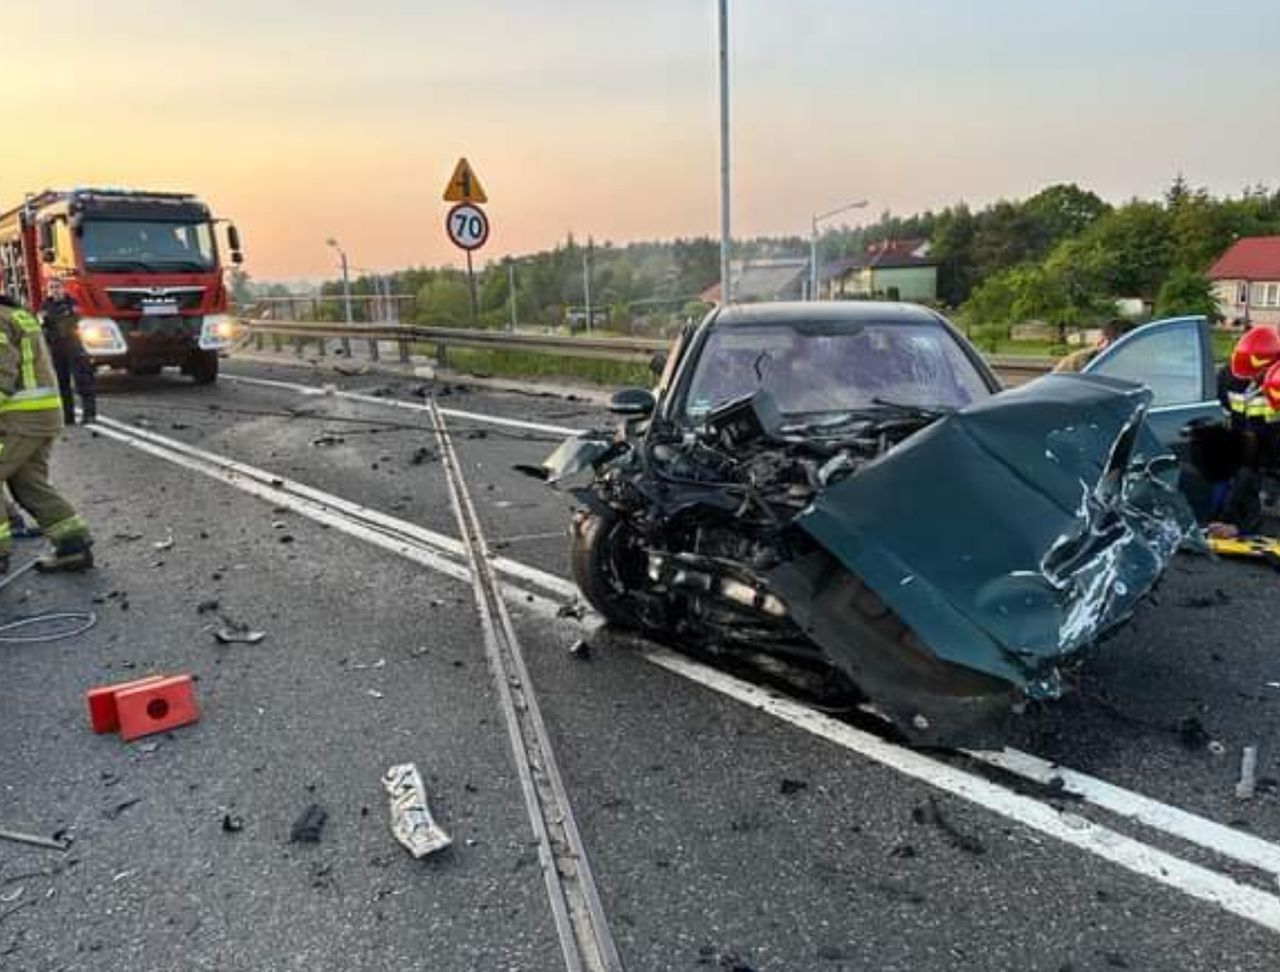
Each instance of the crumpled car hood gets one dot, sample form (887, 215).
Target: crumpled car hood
(1015, 532)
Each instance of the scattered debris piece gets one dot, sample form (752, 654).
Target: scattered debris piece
(373, 693)
(1192, 734)
(789, 787)
(166, 543)
(112, 812)
(126, 537)
(307, 828)
(411, 820)
(1216, 748)
(581, 649)
(232, 823)
(207, 605)
(573, 609)
(53, 843)
(1247, 786)
(236, 633)
(363, 666)
(123, 875)
(421, 455)
(327, 439)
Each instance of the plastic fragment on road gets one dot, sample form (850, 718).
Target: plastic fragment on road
(411, 820)
(232, 633)
(308, 827)
(34, 840)
(1248, 773)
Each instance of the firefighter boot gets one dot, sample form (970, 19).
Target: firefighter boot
(73, 554)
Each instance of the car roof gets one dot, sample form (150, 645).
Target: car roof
(826, 312)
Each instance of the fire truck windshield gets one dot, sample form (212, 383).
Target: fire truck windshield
(159, 247)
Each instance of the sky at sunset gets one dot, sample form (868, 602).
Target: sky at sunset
(304, 119)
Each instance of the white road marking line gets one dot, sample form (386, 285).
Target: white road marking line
(1227, 841)
(1238, 898)
(411, 406)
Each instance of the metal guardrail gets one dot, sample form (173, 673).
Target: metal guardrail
(1014, 368)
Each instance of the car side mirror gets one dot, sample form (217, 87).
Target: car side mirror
(658, 363)
(237, 256)
(636, 402)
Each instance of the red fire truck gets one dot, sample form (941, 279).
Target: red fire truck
(142, 267)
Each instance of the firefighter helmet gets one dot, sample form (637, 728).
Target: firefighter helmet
(1270, 387)
(1257, 349)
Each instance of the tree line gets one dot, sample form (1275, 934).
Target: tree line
(1063, 256)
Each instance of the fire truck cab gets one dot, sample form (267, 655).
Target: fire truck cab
(143, 269)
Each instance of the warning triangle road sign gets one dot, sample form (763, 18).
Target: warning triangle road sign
(464, 186)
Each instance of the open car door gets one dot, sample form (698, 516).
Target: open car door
(1173, 358)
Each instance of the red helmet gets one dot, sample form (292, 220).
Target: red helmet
(1256, 351)
(1270, 387)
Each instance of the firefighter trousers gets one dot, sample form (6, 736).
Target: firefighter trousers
(24, 466)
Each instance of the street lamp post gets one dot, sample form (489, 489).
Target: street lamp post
(726, 294)
(813, 242)
(586, 281)
(346, 290)
(511, 290)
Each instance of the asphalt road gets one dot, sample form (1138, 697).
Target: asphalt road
(721, 836)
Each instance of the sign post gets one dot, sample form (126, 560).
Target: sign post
(466, 223)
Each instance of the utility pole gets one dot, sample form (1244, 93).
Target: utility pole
(346, 292)
(726, 295)
(813, 243)
(586, 281)
(511, 290)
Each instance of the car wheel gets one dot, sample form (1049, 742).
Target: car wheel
(607, 564)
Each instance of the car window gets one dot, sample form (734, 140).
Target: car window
(812, 369)
(1167, 359)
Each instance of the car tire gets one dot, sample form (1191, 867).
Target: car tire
(604, 566)
(204, 367)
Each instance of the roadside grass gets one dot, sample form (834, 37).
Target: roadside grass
(536, 364)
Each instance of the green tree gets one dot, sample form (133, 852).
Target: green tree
(1187, 292)
(444, 301)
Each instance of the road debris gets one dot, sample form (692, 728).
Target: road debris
(35, 840)
(1192, 734)
(1247, 786)
(373, 693)
(235, 633)
(166, 543)
(789, 787)
(421, 455)
(574, 609)
(411, 820)
(232, 823)
(327, 439)
(308, 827)
(111, 813)
(581, 649)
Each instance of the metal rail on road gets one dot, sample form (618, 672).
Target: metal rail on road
(585, 938)
(1011, 368)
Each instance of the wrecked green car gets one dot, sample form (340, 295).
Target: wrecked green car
(844, 485)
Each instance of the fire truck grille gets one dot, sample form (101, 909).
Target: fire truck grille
(143, 299)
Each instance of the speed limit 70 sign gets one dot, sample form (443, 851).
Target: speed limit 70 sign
(467, 226)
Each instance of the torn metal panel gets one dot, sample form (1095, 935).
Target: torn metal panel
(1012, 533)
(411, 819)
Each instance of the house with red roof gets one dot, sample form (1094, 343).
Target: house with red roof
(1246, 281)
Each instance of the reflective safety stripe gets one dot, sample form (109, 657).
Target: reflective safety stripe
(72, 526)
(1251, 406)
(4, 529)
(26, 321)
(31, 400)
(28, 363)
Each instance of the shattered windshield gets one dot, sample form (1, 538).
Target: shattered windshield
(820, 369)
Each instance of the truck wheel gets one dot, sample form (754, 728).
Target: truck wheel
(606, 565)
(204, 367)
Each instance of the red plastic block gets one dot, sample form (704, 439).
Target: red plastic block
(101, 703)
(156, 707)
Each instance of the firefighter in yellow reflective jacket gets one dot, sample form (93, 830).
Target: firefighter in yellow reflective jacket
(30, 420)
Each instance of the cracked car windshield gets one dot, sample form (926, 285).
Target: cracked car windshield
(815, 371)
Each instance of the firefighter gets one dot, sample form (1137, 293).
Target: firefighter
(70, 360)
(29, 423)
(1254, 425)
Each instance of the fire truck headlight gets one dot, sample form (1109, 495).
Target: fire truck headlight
(218, 332)
(101, 337)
